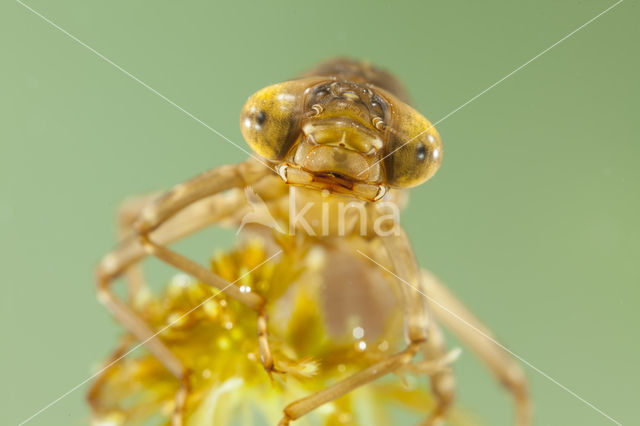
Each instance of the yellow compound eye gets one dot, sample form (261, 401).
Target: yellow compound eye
(270, 120)
(414, 150)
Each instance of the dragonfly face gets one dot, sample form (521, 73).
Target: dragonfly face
(340, 135)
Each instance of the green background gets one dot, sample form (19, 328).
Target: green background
(533, 218)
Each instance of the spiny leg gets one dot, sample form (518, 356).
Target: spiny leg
(303, 406)
(163, 210)
(266, 356)
(416, 326)
(127, 317)
(208, 211)
(481, 341)
(92, 394)
(130, 252)
(443, 383)
(194, 217)
(419, 316)
(251, 300)
(126, 215)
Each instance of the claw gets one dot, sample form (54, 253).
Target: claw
(271, 370)
(434, 366)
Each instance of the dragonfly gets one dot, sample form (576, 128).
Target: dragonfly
(335, 152)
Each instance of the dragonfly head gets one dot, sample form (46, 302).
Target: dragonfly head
(347, 137)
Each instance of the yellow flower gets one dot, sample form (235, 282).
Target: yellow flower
(218, 343)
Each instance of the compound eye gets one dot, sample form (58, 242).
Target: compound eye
(421, 152)
(270, 120)
(254, 120)
(261, 118)
(414, 150)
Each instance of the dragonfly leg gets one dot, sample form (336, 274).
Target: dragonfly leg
(417, 325)
(419, 320)
(481, 341)
(443, 383)
(185, 209)
(302, 406)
